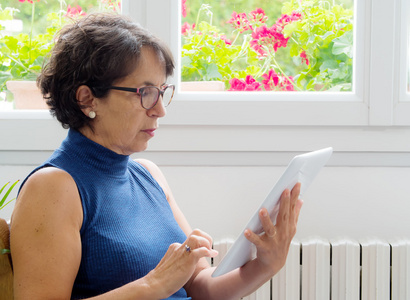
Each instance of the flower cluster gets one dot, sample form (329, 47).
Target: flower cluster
(265, 41)
(240, 22)
(187, 28)
(271, 82)
(184, 8)
(249, 84)
(74, 11)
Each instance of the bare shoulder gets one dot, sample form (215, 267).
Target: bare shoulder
(49, 191)
(149, 165)
(152, 168)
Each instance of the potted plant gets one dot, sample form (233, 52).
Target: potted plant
(22, 55)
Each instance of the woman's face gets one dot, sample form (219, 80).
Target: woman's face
(122, 124)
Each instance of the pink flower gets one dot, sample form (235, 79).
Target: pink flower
(258, 16)
(226, 40)
(286, 19)
(264, 38)
(184, 8)
(287, 85)
(271, 80)
(29, 1)
(304, 57)
(113, 4)
(249, 84)
(187, 28)
(74, 11)
(240, 22)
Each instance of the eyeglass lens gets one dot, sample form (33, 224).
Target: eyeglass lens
(150, 96)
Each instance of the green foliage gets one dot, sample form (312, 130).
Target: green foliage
(325, 33)
(22, 55)
(4, 201)
(315, 51)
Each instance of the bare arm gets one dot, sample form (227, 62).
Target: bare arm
(272, 248)
(45, 236)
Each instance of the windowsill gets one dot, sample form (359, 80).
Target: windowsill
(40, 114)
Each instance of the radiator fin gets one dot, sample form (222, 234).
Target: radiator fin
(338, 269)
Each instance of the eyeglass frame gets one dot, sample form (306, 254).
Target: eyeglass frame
(137, 91)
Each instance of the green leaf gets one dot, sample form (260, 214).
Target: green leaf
(328, 65)
(3, 200)
(343, 44)
(5, 251)
(212, 72)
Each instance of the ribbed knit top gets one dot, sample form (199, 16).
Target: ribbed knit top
(128, 224)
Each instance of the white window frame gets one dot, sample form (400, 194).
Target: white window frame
(402, 64)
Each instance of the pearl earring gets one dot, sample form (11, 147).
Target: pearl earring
(92, 114)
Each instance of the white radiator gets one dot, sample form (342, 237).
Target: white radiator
(319, 269)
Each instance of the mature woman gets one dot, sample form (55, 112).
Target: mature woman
(90, 221)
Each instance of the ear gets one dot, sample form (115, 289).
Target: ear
(85, 99)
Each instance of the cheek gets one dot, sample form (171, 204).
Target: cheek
(131, 123)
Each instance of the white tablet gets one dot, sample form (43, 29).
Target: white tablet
(302, 168)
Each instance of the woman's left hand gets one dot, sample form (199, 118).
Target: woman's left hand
(273, 245)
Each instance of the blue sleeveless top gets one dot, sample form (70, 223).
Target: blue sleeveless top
(128, 224)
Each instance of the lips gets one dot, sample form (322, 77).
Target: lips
(150, 132)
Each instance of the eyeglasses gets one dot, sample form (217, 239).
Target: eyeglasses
(150, 94)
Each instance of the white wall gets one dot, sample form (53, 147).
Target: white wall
(342, 201)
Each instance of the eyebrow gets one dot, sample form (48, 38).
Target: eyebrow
(148, 83)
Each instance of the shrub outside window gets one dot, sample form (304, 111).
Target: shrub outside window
(283, 46)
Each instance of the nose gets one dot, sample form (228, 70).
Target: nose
(158, 110)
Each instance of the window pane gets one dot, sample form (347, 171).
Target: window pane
(267, 45)
(26, 36)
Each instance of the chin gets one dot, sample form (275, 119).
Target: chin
(141, 148)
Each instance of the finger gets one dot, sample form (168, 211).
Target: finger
(298, 207)
(198, 232)
(195, 241)
(283, 213)
(204, 252)
(266, 222)
(198, 239)
(294, 194)
(294, 198)
(253, 237)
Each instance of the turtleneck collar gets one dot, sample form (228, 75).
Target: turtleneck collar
(94, 155)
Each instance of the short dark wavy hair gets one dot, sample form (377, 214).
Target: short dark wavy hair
(95, 51)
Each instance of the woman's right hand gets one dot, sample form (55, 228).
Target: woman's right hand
(179, 263)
